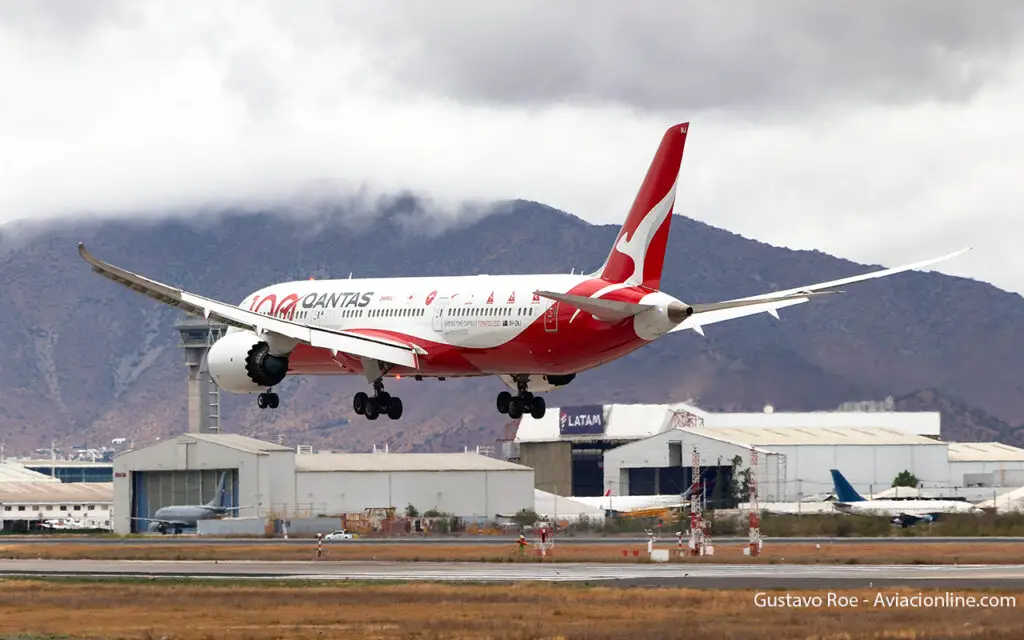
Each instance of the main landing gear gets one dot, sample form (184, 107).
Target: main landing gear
(524, 402)
(380, 402)
(268, 399)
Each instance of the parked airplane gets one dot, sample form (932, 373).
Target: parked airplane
(63, 524)
(180, 517)
(627, 504)
(903, 512)
(535, 332)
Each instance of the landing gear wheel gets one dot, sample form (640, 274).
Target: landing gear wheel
(383, 399)
(395, 408)
(273, 400)
(537, 407)
(372, 409)
(515, 408)
(261, 401)
(360, 401)
(504, 398)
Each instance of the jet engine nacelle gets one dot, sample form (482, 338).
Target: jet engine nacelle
(666, 315)
(540, 383)
(240, 362)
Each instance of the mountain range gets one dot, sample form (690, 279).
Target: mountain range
(87, 360)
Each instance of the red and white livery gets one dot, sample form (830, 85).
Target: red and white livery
(536, 332)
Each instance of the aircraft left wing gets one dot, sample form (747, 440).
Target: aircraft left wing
(373, 347)
(704, 314)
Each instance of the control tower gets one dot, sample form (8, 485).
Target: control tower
(197, 336)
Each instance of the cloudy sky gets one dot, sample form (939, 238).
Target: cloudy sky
(884, 135)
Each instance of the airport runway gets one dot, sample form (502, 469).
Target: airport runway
(472, 540)
(776, 576)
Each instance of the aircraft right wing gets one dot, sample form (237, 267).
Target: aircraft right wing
(373, 347)
(705, 314)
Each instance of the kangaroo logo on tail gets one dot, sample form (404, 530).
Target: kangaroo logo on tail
(638, 255)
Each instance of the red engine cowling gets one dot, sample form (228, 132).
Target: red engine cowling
(241, 362)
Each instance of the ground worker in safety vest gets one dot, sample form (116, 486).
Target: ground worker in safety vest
(522, 544)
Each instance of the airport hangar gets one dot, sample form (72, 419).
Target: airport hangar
(273, 481)
(29, 498)
(648, 449)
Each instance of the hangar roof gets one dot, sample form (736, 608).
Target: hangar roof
(984, 452)
(402, 462)
(60, 464)
(233, 440)
(12, 471)
(818, 436)
(240, 442)
(915, 422)
(77, 492)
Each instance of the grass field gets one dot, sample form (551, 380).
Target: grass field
(828, 553)
(199, 611)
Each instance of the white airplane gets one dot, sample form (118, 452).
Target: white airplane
(63, 524)
(535, 332)
(902, 512)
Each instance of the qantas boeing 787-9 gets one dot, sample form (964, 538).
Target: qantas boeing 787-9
(536, 332)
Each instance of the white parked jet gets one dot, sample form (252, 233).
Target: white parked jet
(903, 512)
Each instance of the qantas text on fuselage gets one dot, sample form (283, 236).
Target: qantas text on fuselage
(535, 332)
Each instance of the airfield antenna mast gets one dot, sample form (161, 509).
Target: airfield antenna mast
(700, 543)
(754, 549)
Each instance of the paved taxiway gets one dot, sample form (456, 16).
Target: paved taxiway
(792, 576)
(472, 540)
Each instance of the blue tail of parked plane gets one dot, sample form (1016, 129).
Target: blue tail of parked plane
(844, 490)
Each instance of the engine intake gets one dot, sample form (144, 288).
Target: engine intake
(241, 362)
(264, 369)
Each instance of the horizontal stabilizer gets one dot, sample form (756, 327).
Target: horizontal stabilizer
(608, 310)
(734, 304)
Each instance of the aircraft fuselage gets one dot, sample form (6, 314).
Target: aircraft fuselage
(467, 325)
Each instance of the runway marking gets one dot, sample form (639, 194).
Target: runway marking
(680, 573)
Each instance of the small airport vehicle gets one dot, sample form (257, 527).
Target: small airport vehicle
(341, 534)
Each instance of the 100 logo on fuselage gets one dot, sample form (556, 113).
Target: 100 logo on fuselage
(285, 307)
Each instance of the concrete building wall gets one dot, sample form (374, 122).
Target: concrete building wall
(467, 494)
(1003, 473)
(273, 475)
(551, 463)
(869, 468)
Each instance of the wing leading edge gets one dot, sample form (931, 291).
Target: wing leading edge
(361, 346)
(705, 314)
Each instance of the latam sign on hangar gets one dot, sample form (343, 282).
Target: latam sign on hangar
(586, 420)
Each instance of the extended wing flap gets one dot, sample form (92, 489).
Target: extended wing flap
(361, 346)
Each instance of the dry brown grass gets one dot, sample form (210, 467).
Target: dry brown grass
(829, 553)
(206, 612)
